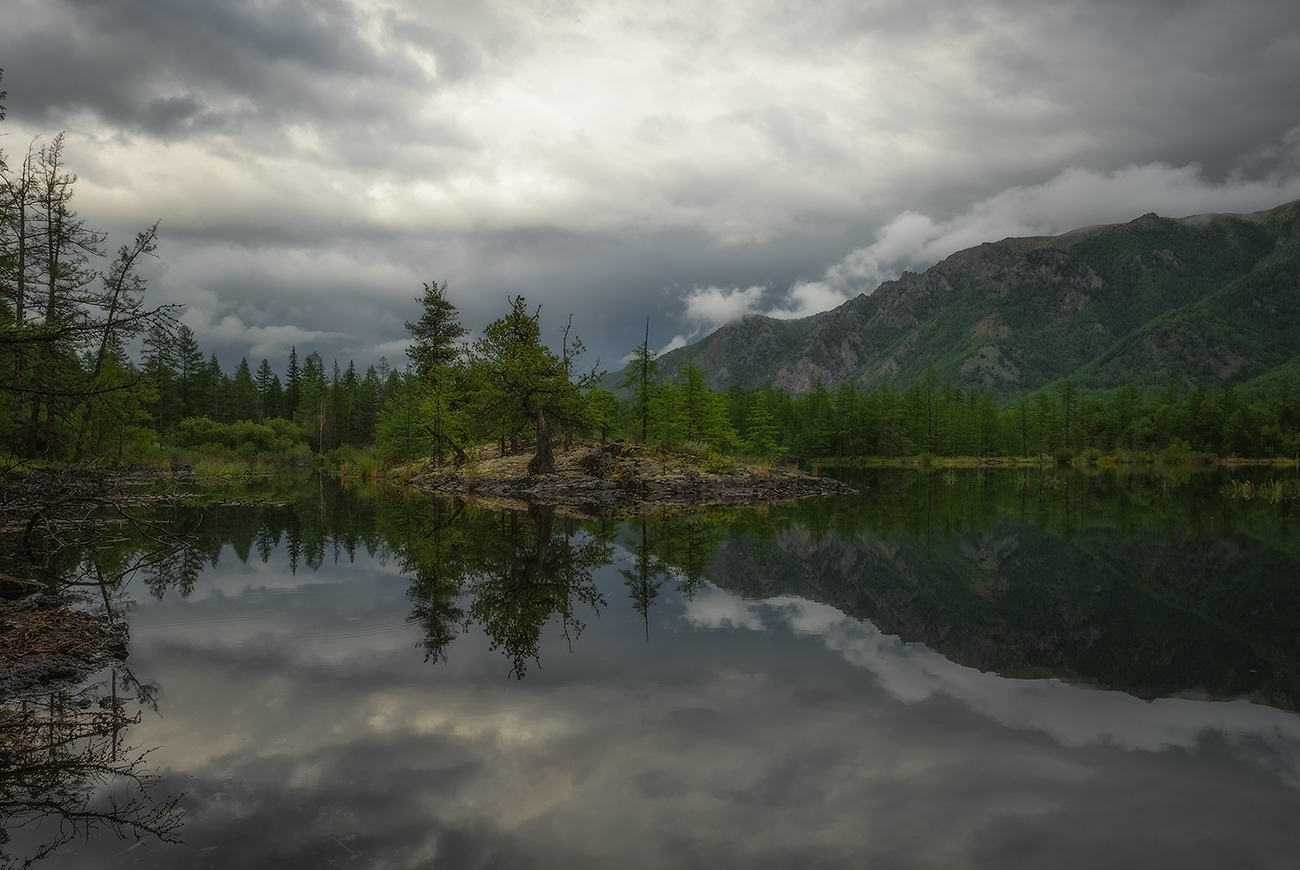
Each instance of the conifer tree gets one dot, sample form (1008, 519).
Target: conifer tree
(760, 428)
(160, 367)
(312, 413)
(292, 385)
(435, 336)
(245, 402)
(268, 389)
(642, 372)
(193, 377)
(521, 381)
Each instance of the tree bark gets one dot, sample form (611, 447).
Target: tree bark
(543, 461)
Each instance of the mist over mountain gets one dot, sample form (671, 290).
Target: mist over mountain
(1204, 299)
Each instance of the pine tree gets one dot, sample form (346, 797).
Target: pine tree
(694, 402)
(383, 372)
(268, 389)
(351, 433)
(215, 384)
(194, 379)
(642, 371)
(521, 381)
(244, 398)
(760, 428)
(313, 410)
(435, 335)
(159, 361)
(292, 385)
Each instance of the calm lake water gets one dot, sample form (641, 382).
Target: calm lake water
(1011, 669)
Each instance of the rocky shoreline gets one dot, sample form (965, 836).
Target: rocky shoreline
(625, 478)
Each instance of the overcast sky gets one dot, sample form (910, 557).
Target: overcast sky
(314, 161)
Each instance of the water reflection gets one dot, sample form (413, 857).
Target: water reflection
(67, 771)
(825, 682)
(519, 570)
(1075, 716)
(1150, 584)
(67, 698)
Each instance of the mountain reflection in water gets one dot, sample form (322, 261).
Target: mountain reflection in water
(962, 669)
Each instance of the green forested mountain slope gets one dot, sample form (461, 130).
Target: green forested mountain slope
(1210, 298)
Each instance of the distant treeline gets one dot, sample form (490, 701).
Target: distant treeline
(452, 397)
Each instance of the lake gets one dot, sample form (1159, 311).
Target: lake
(1012, 668)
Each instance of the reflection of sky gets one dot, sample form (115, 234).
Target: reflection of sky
(1075, 716)
(306, 730)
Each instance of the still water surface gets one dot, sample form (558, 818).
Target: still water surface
(961, 670)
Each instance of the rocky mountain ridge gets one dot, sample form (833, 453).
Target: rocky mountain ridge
(1207, 298)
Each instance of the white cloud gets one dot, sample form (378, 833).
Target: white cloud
(714, 306)
(1074, 199)
(806, 298)
(707, 308)
(676, 342)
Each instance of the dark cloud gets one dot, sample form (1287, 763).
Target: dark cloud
(259, 63)
(606, 159)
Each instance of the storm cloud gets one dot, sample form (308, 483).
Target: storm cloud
(313, 163)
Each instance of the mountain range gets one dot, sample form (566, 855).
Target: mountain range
(1205, 299)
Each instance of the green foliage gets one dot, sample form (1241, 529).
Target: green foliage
(717, 463)
(272, 436)
(67, 389)
(601, 412)
(760, 429)
(520, 386)
(436, 335)
(401, 432)
(1076, 320)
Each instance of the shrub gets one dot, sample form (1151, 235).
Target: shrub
(695, 448)
(716, 463)
(1177, 453)
(242, 435)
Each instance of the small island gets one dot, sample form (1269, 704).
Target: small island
(625, 478)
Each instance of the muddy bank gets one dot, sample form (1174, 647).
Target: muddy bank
(62, 494)
(45, 644)
(50, 641)
(625, 478)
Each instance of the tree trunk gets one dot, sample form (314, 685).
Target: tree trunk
(543, 461)
(543, 517)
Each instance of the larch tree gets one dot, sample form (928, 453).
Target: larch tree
(522, 381)
(642, 373)
(435, 351)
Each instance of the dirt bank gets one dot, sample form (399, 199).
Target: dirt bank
(44, 643)
(625, 478)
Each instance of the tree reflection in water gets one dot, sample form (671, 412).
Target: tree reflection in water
(671, 546)
(510, 572)
(518, 570)
(66, 768)
(67, 771)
